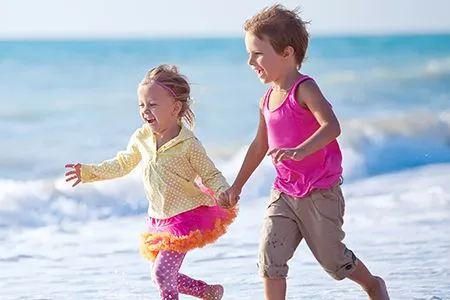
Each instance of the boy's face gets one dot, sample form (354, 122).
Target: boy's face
(263, 59)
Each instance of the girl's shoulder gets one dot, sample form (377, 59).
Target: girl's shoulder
(144, 129)
(142, 132)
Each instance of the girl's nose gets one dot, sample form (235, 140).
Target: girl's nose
(147, 113)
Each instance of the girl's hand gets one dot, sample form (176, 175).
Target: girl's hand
(229, 198)
(285, 154)
(74, 174)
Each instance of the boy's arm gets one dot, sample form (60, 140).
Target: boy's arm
(211, 177)
(255, 154)
(122, 164)
(311, 96)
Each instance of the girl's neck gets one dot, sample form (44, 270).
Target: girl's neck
(286, 81)
(167, 135)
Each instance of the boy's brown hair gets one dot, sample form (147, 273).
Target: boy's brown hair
(283, 28)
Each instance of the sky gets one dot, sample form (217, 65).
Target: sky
(180, 18)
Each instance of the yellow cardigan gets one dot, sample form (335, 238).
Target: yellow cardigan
(168, 173)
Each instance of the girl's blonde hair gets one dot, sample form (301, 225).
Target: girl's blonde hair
(168, 77)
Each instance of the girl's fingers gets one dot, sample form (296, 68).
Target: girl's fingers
(73, 172)
(76, 183)
(74, 166)
(71, 178)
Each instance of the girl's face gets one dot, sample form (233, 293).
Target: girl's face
(158, 108)
(263, 59)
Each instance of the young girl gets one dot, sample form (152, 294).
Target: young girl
(298, 129)
(181, 216)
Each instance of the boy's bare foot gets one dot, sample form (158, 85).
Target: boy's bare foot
(378, 291)
(213, 292)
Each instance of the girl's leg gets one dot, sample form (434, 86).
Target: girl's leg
(199, 288)
(191, 287)
(165, 273)
(170, 282)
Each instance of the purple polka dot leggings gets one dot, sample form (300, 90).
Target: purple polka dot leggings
(170, 282)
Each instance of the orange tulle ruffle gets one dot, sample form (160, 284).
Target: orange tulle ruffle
(153, 242)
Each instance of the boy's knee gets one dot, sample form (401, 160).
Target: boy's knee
(343, 268)
(272, 263)
(343, 272)
(273, 271)
(274, 253)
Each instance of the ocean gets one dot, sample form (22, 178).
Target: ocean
(70, 101)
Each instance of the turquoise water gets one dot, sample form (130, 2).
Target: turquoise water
(76, 100)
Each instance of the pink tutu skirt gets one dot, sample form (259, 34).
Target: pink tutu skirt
(186, 231)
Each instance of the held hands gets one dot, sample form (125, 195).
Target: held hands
(229, 198)
(73, 174)
(279, 154)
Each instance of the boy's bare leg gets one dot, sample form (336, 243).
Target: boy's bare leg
(373, 285)
(275, 288)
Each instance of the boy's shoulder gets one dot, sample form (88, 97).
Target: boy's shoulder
(306, 84)
(309, 92)
(262, 101)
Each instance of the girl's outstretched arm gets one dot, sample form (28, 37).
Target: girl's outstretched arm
(122, 164)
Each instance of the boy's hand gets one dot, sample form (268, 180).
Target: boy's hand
(285, 154)
(229, 198)
(74, 174)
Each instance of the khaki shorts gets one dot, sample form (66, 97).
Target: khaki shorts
(317, 218)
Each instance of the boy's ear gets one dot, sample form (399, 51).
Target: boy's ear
(288, 52)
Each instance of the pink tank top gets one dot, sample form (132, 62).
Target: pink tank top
(288, 126)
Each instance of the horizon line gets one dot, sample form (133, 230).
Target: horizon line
(44, 38)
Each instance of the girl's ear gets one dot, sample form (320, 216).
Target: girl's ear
(177, 108)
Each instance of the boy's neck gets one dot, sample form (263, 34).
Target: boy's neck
(286, 81)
